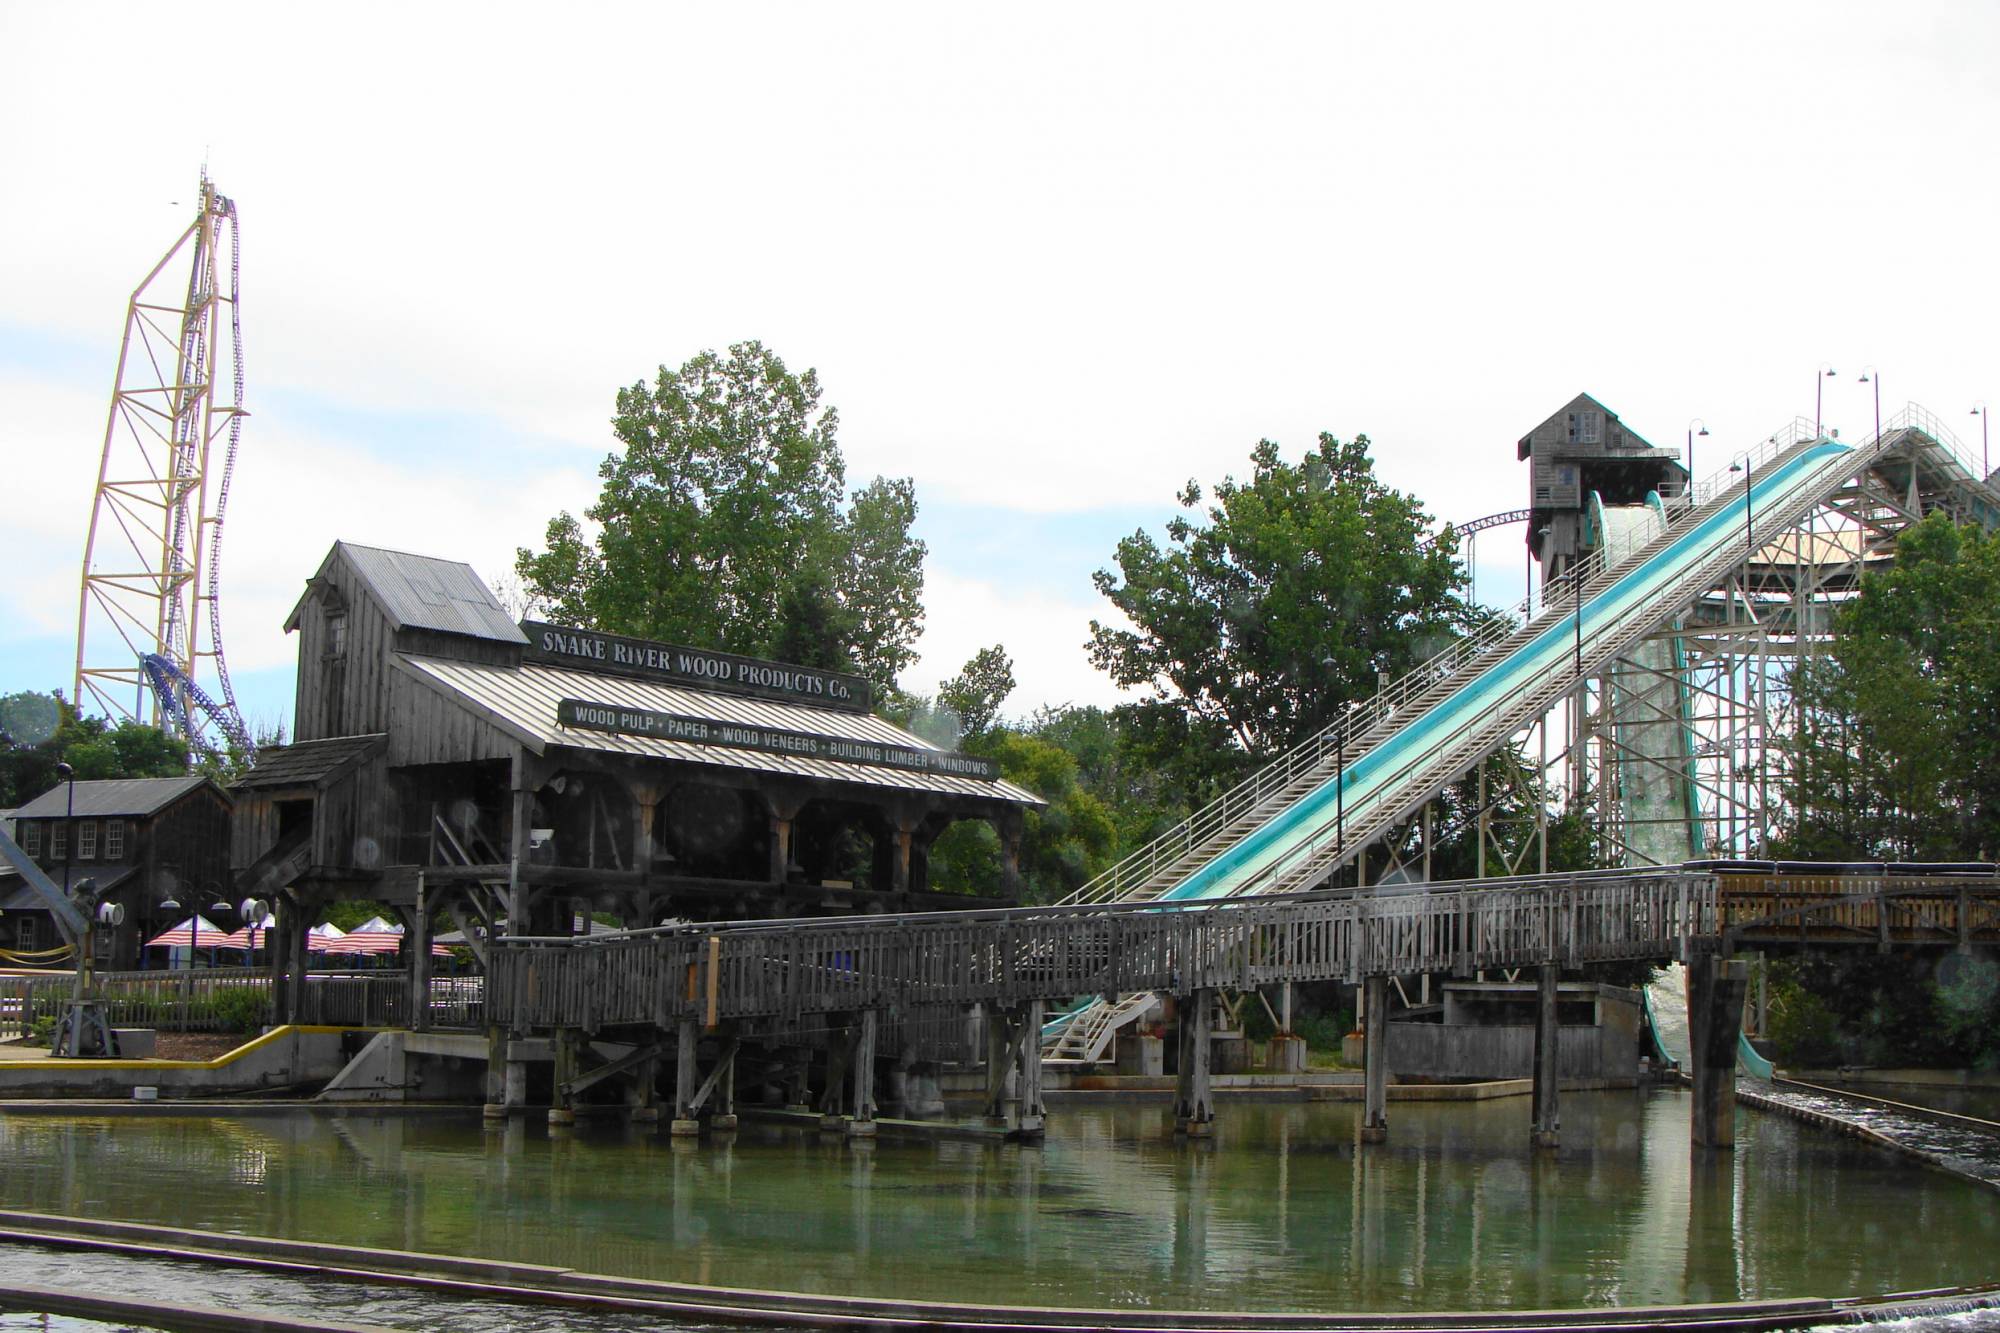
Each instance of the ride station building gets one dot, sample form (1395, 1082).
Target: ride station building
(525, 777)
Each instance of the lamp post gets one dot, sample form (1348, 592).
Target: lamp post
(68, 775)
(1749, 540)
(1826, 372)
(1692, 432)
(1985, 458)
(1868, 376)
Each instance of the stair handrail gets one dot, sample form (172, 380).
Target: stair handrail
(1363, 726)
(1359, 831)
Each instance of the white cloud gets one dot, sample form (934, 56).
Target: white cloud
(1044, 636)
(1046, 276)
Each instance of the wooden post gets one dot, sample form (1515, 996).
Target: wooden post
(645, 1095)
(839, 1056)
(417, 939)
(1547, 1115)
(646, 797)
(1375, 1060)
(999, 1064)
(1033, 1115)
(1716, 991)
(1011, 828)
(517, 858)
(862, 1125)
(496, 1073)
(563, 1112)
(686, 1041)
(1194, 1109)
(725, 1092)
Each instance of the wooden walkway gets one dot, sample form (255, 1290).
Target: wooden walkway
(784, 970)
(788, 969)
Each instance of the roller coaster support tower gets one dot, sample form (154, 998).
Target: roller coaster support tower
(151, 563)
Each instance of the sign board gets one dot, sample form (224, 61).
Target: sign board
(697, 668)
(589, 716)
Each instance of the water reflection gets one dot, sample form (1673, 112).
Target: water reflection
(1283, 1210)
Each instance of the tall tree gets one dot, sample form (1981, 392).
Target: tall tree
(1898, 744)
(1276, 604)
(723, 522)
(980, 687)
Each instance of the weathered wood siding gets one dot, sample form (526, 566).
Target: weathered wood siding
(425, 727)
(1477, 1050)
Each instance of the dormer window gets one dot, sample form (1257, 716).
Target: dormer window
(336, 633)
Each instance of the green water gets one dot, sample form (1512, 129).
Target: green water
(1281, 1211)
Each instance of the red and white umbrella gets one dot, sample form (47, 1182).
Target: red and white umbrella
(195, 932)
(376, 942)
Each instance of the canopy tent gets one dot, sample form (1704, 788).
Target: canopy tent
(253, 936)
(196, 932)
(382, 939)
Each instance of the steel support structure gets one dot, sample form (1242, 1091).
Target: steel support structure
(151, 561)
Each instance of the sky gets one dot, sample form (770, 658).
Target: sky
(1050, 261)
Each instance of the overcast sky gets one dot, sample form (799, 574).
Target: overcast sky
(1050, 261)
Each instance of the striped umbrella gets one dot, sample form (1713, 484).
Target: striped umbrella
(195, 932)
(254, 936)
(376, 942)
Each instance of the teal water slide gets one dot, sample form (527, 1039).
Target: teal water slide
(1382, 776)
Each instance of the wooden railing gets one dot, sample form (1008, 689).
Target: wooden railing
(789, 969)
(1883, 910)
(204, 1000)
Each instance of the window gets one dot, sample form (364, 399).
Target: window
(336, 634)
(28, 935)
(114, 839)
(31, 838)
(58, 841)
(86, 840)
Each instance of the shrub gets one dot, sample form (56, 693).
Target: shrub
(241, 1008)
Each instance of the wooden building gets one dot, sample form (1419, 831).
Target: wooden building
(449, 760)
(1582, 450)
(141, 842)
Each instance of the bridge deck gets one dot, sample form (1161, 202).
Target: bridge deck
(783, 970)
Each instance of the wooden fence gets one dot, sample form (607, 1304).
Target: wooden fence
(786, 970)
(217, 1000)
(1477, 1051)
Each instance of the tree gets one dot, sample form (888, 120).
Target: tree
(1275, 606)
(980, 687)
(1063, 843)
(723, 523)
(94, 748)
(1897, 753)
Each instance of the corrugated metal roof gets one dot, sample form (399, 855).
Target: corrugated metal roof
(422, 592)
(305, 763)
(136, 797)
(523, 701)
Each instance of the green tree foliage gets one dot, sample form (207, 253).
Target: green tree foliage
(94, 748)
(1898, 748)
(1063, 843)
(1855, 1007)
(1269, 610)
(724, 523)
(980, 687)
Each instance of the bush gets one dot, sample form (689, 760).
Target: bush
(1804, 1029)
(42, 1031)
(242, 1008)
